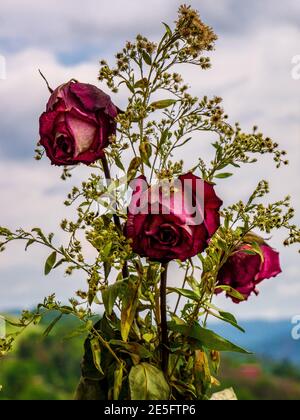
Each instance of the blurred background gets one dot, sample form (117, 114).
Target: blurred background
(253, 70)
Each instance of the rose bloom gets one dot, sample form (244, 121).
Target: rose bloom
(77, 124)
(243, 271)
(172, 231)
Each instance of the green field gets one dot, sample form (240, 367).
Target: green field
(49, 369)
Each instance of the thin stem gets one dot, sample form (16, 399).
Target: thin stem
(106, 344)
(183, 286)
(163, 314)
(40, 242)
(116, 218)
(46, 81)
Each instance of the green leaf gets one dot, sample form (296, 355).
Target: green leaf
(84, 204)
(134, 348)
(177, 320)
(29, 243)
(133, 167)
(106, 250)
(146, 152)
(206, 338)
(147, 58)
(224, 175)
(235, 164)
(185, 293)
(107, 269)
(142, 83)
(109, 296)
(151, 274)
(165, 103)
(40, 234)
(52, 325)
(96, 350)
(129, 87)
(147, 382)
(183, 143)
(255, 240)
(257, 249)
(168, 29)
(232, 292)
(5, 232)
(216, 145)
(201, 373)
(119, 163)
(248, 251)
(118, 380)
(51, 260)
(130, 303)
(227, 317)
(164, 137)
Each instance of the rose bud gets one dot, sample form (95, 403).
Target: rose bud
(77, 124)
(178, 227)
(244, 271)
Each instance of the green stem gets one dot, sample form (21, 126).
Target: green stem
(163, 315)
(116, 218)
(59, 252)
(106, 344)
(183, 286)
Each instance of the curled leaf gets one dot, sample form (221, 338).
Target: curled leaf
(165, 103)
(51, 260)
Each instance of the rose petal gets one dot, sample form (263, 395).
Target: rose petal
(239, 272)
(271, 265)
(176, 209)
(212, 221)
(93, 98)
(82, 131)
(47, 121)
(211, 198)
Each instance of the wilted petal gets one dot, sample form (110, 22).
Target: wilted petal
(83, 132)
(271, 265)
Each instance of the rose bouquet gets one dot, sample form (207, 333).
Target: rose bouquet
(141, 210)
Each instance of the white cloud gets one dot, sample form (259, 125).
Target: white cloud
(251, 71)
(32, 195)
(72, 25)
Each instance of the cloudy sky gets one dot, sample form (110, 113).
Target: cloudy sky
(252, 71)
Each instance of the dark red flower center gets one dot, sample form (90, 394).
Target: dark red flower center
(168, 235)
(63, 145)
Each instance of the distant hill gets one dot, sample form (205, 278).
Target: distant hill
(270, 339)
(267, 339)
(49, 368)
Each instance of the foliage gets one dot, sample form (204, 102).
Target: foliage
(48, 368)
(123, 349)
(42, 368)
